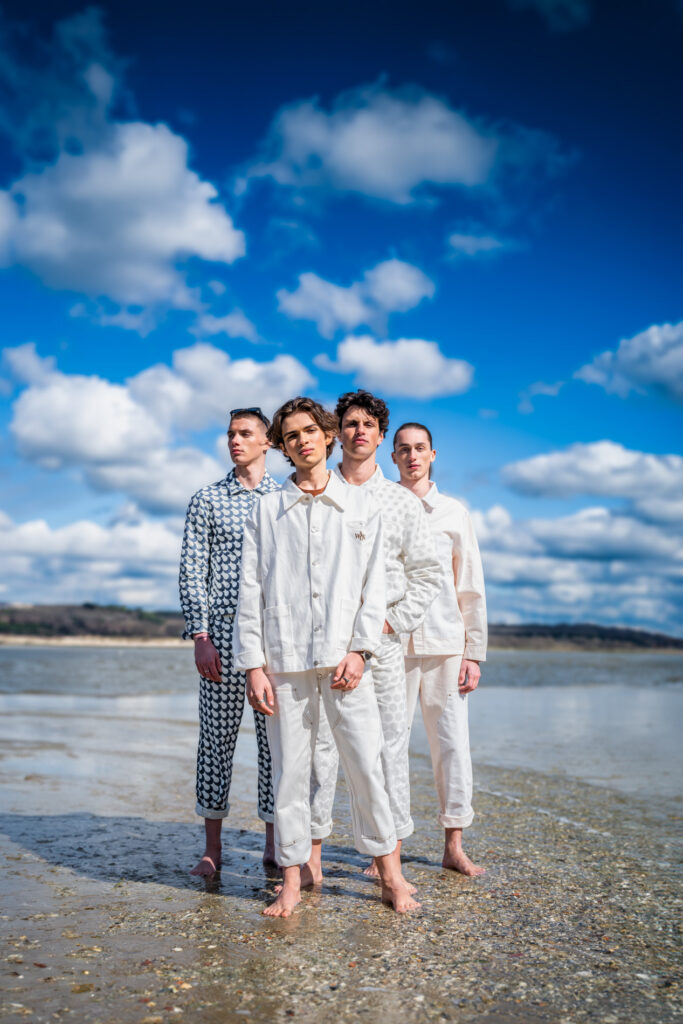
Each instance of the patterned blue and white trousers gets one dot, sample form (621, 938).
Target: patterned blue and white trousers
(221, 706)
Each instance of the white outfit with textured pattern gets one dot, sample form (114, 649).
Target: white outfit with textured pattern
(413, 579)
(454, 628)
(311, 590)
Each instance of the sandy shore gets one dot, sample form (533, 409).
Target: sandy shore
(575, 919)
(15, 640)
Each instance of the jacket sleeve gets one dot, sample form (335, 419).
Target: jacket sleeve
(248, 640)
(422, 570)
(195, 557)
(469, 588)
(369, 622)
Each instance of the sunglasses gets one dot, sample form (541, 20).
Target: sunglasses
(253, 410)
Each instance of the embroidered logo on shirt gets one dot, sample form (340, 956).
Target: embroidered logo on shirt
(360, 535)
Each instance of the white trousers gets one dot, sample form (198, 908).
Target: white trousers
(444, 712)
(354, 723)
(388, 676)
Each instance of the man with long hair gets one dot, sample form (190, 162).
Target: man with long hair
(310, 616)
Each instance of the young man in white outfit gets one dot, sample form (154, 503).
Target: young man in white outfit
(413, 579)
(443, 653)
(310, 615)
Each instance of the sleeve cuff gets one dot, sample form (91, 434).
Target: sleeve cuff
(364, 643)
(197, 627)
(475, 653)
(250, 659)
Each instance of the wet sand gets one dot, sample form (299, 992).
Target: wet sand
(575, 920)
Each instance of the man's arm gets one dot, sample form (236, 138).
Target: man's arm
(248, 639)
(367, 627)
(194, 567)
(193, 583)
(423, 573)
(469, 588)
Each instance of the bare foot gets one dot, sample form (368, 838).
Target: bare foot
(207, 866)
(459, 861)
(372, 872)
(287, 899)
(311, 874)
(399, 898)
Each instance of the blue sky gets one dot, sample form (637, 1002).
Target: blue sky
(472, 209)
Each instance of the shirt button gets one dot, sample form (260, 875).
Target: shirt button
(316, 663)
(316, 629)
(315, 595)
(314, 529)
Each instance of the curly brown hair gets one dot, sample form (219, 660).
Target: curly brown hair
(364, 400)
(327, 421)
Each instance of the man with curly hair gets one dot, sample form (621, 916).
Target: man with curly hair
(310, 616)
(413, 580)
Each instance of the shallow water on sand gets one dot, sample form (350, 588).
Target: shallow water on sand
(609, 719)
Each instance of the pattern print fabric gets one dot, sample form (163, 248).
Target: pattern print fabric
(209, 590)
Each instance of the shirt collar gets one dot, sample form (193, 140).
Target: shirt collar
(371, 484)
(235, 487)
(333, 494)
(431, 498)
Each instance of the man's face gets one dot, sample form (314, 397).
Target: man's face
(413, 454)
(304, 441)
(359, 433)
(247, 439)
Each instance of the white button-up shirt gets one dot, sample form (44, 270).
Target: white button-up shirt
(312, 580)
(456, 622)
(413, 571)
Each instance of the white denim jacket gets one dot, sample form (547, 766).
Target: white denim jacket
(456, 622)
(413, 571)
(312, 579)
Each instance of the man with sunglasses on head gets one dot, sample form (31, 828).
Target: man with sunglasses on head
(209, 587)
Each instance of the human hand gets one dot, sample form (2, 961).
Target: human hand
(387, 627)
(469, 677)
(349, 672)
(206, 658)
(260, 692)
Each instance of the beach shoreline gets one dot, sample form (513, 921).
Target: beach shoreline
(536, 644)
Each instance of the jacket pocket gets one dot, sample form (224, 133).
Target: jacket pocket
(277, 623)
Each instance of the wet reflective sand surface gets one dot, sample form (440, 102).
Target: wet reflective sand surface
(575, 919)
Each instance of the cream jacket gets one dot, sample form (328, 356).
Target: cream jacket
(312, 579)
(411, 564)
(456, 622)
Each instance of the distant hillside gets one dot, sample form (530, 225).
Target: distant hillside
(110, 620)
(64, 620)
(585, 636)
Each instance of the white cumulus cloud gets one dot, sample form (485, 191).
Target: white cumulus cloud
(383, 143)
(408, 366)
(234, 325)
(112, 209)
(601, 469)
(651, 360)
(124, 437)
(390, 287)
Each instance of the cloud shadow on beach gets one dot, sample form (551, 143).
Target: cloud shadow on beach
(115, 849)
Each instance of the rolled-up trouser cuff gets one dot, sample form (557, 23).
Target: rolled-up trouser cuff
(373, 846)
(450, 821)
(211, 812)
(266, 816)
(405, 830)
(321, 831)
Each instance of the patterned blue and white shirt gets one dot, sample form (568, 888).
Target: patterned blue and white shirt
(212, 552)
